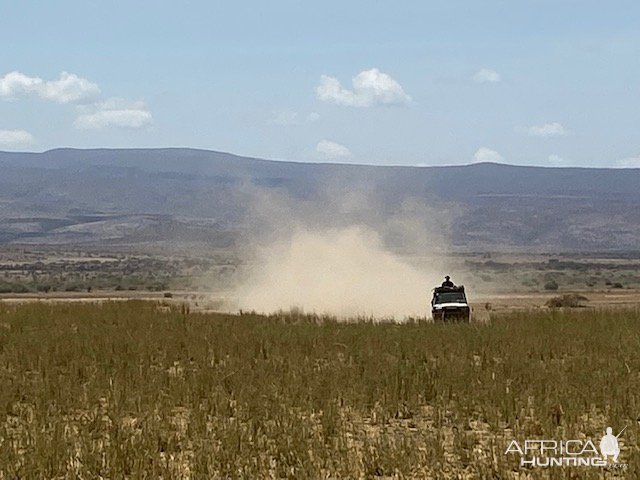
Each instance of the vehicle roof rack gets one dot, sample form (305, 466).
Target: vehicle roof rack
(457, 288)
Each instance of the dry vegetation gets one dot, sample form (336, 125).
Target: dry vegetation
(543, 272)
(42, 270)
(142, 390)
(571, 300)
(45, 270)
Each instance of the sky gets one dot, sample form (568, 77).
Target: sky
(527, 82)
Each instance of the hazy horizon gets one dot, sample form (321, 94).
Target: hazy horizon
(322, 162)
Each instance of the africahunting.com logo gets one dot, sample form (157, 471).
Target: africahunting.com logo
(568, 453)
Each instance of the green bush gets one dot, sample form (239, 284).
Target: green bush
(14, 288)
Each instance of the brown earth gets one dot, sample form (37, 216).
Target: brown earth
(482, 304)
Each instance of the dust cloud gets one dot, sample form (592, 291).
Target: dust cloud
(346, 250)
(343, 271)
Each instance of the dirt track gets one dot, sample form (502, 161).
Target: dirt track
(597, 299)
(220, 301)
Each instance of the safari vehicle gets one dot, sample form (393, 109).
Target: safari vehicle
(449, 304)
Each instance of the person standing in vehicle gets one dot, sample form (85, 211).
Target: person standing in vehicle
(447, 282)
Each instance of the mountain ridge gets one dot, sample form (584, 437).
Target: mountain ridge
(58, 150)
(481, 205)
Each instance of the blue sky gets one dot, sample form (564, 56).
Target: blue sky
(414, 83)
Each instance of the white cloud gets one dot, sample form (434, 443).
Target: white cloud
(484, 154)
(330, 150)
(114, 112)
(547, 130)
(370, 88)
(14, 138)
(631, 162)
(486, 75)
(313, 117)
(557, 159)
(16, 84)
(69, 88)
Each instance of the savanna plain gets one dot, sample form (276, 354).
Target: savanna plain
(142, 389)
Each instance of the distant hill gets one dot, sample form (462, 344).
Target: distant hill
(146, 196)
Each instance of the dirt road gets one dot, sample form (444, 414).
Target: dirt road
(224, 301)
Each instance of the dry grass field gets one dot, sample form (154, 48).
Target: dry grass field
(146, 390)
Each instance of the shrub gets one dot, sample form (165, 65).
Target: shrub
(567, 301)
(551, 285)
(13, 288)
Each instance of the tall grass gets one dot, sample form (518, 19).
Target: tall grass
(141, 390)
